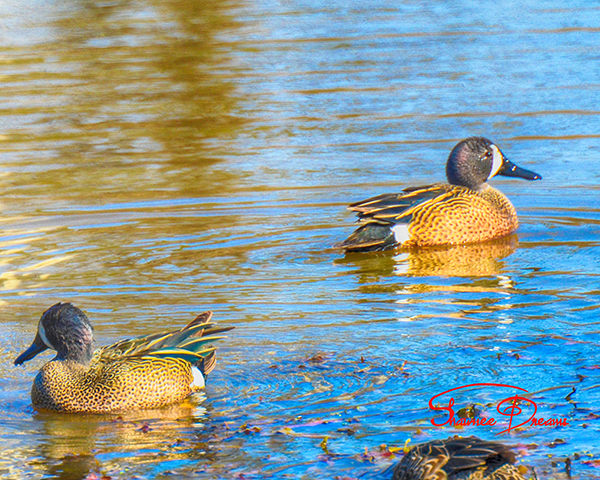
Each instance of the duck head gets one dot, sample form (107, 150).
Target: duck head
(475, 160)
(66, 329)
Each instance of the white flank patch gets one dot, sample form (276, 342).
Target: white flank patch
(198, 381)
(401, 233)
(497, 161)
(42, 333)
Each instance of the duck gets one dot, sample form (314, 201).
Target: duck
(456, 458)
(464, 210)
(134, 374)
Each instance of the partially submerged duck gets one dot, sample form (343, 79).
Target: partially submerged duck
(145, 372)
(468, 458)
(464, 210)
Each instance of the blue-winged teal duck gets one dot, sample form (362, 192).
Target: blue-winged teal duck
(465, 210)
(458, 459)
(145, 372)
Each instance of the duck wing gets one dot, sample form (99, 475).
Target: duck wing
(392, 208)
(377, 216)
(191, 343)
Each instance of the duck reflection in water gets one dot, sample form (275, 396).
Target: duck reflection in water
(472, 260)
(73, 446)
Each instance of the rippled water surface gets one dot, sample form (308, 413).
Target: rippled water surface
(162, 158)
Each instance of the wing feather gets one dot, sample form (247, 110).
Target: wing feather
(391, 208)
(190, 343)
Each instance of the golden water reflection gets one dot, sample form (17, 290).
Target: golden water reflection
(82, 444)
(475, 260)
(138, 103)
(479, 260)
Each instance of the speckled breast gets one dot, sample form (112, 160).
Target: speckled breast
(468, 217)
(134, 385)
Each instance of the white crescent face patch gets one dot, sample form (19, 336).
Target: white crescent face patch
(43, 336)
(497, 161)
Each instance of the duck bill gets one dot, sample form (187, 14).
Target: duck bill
(38, 346)
(509, 169)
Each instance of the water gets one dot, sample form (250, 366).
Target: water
(160, 159)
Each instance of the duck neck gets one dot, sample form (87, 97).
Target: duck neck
(83, 355)
(77, 349)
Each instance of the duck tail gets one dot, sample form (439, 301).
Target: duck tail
(208, 364)
(194, 342)
(371, 237)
